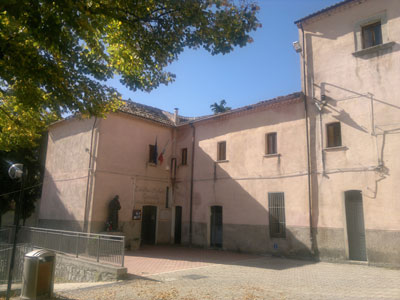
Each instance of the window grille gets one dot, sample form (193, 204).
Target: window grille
(276, 207)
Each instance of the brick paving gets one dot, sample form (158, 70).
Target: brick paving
(194, 274)
(151, 260)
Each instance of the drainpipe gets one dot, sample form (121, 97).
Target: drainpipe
(86, 216)
(191, 186)
(308, 142)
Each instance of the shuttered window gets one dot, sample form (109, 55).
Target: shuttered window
(276, 207)
(334, 135)
(270, 143)
(371, 35)
(184, 157)
(152, 154)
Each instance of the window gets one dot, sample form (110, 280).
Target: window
(221, 155)
(184, 157)
(167, 197)
(152, 154)
(334, 135)
(371, 35)
(276, 207)
(270, 143)
(173, 168)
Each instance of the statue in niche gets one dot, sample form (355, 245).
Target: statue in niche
(113, 207)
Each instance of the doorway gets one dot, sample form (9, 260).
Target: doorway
(178, 224)
(216, 227)
(355, 225)
(149, 223)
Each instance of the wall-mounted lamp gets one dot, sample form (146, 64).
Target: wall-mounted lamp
(323, 99)
(297, 47)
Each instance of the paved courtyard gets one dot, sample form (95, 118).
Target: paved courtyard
(194, 274)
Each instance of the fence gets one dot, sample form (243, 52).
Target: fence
(5, 257)
(103, 248)
(5, 235)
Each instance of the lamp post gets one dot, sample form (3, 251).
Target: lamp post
(17, 172)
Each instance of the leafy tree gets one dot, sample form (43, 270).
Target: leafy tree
(10, 189)
(219, 108)
(56, 56)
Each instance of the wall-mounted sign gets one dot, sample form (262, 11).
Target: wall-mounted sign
(136, 214)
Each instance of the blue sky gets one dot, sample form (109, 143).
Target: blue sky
(266, 68)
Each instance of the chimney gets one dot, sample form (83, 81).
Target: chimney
(176, 116)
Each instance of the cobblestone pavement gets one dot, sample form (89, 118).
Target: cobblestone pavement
(256, 278)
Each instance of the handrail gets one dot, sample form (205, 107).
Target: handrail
(73, 232)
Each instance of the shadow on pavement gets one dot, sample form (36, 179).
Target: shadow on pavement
(150, 260)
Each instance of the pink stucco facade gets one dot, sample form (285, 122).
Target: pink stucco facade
(90, 161)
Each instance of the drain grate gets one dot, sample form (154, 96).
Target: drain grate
(194, 276)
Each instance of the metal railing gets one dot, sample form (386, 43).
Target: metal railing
(5, 235)
(102, 248)
(5, 258)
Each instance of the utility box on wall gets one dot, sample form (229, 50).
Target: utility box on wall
(38, 275)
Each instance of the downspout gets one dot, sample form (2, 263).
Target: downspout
(308, 142)
(86, 216)
(191, 186)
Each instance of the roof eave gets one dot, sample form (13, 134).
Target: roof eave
(271, 102)
(302, 20)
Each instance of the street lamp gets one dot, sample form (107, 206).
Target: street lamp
(16, 172)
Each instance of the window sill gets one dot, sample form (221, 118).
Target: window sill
(272, 155)
(373, 49)
(339, 148)
(222, 161)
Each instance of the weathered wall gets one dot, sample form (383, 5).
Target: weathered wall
(362, 94)
(241, 184)
(70, 269)
(123, 168)
(67, 161)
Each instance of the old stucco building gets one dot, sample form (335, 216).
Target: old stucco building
(278, 176)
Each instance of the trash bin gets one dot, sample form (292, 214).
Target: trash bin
(38, 275)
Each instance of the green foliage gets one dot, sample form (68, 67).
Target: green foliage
(219, 108)
(55, 56)
(10, 189)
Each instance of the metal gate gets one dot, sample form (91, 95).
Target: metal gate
(355, 225)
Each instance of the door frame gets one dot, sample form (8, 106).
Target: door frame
(346, 237)
(209, 225)
(173, 221)
(156, 229)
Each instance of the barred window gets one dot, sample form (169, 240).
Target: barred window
(276, 207)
